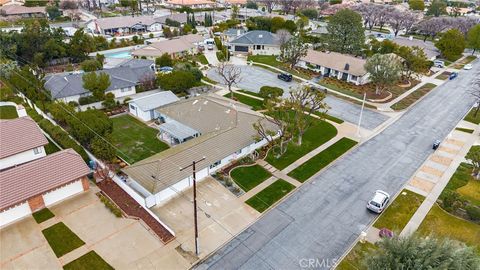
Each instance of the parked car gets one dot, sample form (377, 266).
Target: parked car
(439, 63)
(210, 47)
(285, 77)
(453, 75)
(165, 70)
(379, 201)
(436, 144)
(467, 67)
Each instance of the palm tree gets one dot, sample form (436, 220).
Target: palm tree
(422, 253)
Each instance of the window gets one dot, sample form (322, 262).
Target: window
(259, 47)
(132, 107)
(215, 164)
(37, 150)
(125, 89)
(354, 78)
(263, 47)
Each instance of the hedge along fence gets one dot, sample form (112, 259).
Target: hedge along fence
(57, 133)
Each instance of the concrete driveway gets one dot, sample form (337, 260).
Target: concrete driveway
(323, 218)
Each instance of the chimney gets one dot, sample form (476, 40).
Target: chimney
(347, 66)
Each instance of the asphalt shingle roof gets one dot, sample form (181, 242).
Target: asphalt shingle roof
(155, 101)
(257, 37)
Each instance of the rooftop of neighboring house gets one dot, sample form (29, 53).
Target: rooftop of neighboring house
(156, 100)
(337, 61)
(132, 62)
(20, 135)
(257, 37)
(189, 2)
(65, 84)
(428, 47)
(15, 9)
(124, 21)
(234, 32)
(174, 45)
(39, 176)
(227, 128)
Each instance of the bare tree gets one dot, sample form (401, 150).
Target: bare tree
(463, 24)
(369, 13)
(431, 27)
(383, 15)
(269, 4)
(230, 74)
(399, 20)
(283, 36)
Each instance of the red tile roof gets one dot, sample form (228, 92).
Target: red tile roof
(20, 183)
(19, 135)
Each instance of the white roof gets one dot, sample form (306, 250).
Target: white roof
(155, 101)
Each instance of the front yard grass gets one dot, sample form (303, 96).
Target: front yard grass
(202, 59)
(329, 117)
(8, 112)
(271, 60)
(444, 75)
(471, 116)
(90, 260)
(256, 104)
(270, 195)
(467, 130)
(400, 211)
(135, 140)
(464, 183)
(322, 159)
(43, 215)
(319, 133)
(464, 61)
(207, 79)
(61, 239)
(250, 93)
(354, 259)
(413, 97)
(444, 225)
(250, 176)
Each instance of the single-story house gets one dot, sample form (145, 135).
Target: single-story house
(232, 33)
(332, 64)
(210, 127)
(129, 62)
(428, 47)
(40, 183)
(257, 42)
(22, 11)
(189, 3)
(124, 25)
(123, 81)
(145, 107)
(21, 140)
(176, 47)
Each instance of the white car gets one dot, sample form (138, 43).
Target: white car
(467, 67)
(379, 201)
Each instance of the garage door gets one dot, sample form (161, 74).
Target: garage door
(62, 193)
(14, 213)
(241, 48)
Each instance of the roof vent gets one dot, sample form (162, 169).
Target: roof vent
(260, 36)
(227, 111)
(195, 102)
(347, 66)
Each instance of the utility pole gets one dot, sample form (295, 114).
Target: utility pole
(194, 200)
(361, 114)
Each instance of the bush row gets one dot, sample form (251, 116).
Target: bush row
(110, 205)
(57, 134)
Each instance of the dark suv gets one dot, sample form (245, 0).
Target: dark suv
(285, 77)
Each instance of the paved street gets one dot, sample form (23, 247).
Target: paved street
(256, 77)
(325, 216)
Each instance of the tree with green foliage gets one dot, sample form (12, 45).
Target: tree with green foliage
(88, 124)
(91, 65)
(437, 8)
(421, 253)
(61, 112)
(234, 12)
(290, 25)
(473, 38)
(335, 2)
(103, 149)
(270, 92)
(416, 5)
(414, 61)
(164, 61)
(96, 83)
(81, 44)
(276, 24)
(293, 50)
(109, 102)
(473, 156)
(311, 13)
(167, 32)
(345, 32)
(178, 81)
(384, 71)
(451, 44)
(53, 12)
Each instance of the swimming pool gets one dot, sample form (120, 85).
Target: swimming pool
(124, 54)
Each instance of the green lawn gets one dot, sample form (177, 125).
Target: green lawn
(271, 60)
(471, 116)
(42, 215)
(463, 183)
(413, 97)
(202, 59)
(319, 133)
(135, 140)
(61, 239)
(331, 118)
(256, 104)
(270, 195)
(90, 260)
(354, 259)
(51, 148)
(8, 112)
(443, 76)
(207, 79)
(464, 61)
(399, 212)
(250, 93)
(467, 130)
(441, 224)
(249, 177)
(322, 159)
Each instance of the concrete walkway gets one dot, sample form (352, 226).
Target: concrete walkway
(434, 175)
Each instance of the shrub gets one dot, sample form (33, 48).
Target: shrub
(110, 205)
(450, 200)
(269, 92)
(218, 43)
(87, 100)
(126, 100)
(473, 212)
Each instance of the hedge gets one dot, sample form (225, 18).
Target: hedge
(57, 134)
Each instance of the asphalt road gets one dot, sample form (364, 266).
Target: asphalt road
(319, 222)
(253, 78)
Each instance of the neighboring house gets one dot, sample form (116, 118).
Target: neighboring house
(206, 126)
(145, 107)
(257, 42)
(21, 140)
(122, 25)
(123, 81)
(232, 33)
(40, 183)
(341, 66)
(175, 47)
(68, 27)
(189, 3)
(132, 63)
(428, 47)
(22, 11)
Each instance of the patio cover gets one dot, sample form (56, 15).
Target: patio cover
(178, 130)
